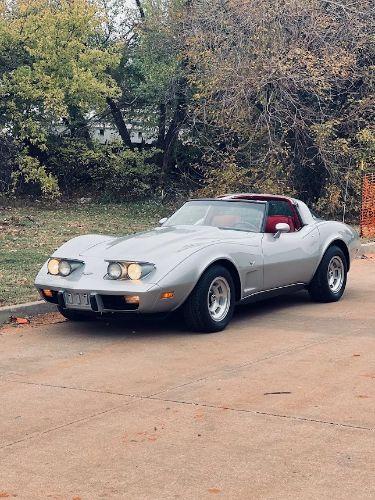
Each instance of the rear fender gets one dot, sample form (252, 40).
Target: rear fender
(343, 234)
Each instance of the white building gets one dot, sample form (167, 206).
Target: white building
(106, 133)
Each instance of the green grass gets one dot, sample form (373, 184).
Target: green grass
(30, 232)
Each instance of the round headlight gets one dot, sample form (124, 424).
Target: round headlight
(115, 270)
(64, 268)
(53, 266)
(134, 271)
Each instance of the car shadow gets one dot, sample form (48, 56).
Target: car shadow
(161, 325)
(272, 305)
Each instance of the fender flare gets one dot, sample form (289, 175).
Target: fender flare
(336, 238)
(225, 260)
(228, 263)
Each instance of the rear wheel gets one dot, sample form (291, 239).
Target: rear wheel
(329, 282)
(210, 305)
(75, 315)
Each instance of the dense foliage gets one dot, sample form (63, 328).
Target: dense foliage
(288, 89)
(237, 94)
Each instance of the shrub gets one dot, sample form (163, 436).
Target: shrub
(109, 171)
(22, 173)
(8, 153)
(223, 175)
(124, 174)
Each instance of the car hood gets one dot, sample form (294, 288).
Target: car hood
(174, 242)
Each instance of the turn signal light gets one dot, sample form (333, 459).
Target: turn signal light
(131, 299)
(47, 293)
(167, 295)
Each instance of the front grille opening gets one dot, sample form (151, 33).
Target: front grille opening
(117, 303)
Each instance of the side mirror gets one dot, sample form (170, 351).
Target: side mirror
(281, 227)
(161, 221)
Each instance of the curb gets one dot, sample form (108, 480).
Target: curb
(27, 309)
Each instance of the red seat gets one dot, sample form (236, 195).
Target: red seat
(225, 220)
(272, 220)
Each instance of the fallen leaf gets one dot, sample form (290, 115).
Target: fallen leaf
(19, 321)
(214, 490)
(199, 416)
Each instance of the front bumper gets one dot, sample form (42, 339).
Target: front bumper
(110, 300)
(91, 280)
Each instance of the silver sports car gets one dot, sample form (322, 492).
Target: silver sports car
(207, 257)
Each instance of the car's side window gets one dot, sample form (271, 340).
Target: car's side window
(281, 211)
(280, 208)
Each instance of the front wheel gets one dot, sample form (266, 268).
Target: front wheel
(75, 315)
(329, 282)
(210, 305)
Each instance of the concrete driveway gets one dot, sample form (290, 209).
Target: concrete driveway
(280, 405)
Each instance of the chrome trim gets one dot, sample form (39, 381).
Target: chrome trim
(78, 261)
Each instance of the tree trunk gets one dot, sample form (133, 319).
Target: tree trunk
(140, 8)
(161, 125)
(171, 136)
(120, 123)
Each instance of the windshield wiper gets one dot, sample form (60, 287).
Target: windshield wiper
(235, 229)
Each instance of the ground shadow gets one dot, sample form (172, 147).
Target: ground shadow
(161, 325)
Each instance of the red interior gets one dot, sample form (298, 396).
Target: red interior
(225, 220)
(272, 220)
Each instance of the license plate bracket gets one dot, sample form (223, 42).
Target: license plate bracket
(77, 300)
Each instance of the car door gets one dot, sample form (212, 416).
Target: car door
(290, 258)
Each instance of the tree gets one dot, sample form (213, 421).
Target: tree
(52, 72)
(152, 77)
(285, 85)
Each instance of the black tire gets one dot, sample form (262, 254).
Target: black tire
(196, 311)
(75, 315)
(319, 288)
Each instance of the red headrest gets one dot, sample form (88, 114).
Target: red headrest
(272, 220)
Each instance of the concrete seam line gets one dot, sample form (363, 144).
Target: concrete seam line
(267, 414)
(153, 395)
(191, 403)
(72, 388)
(251, 363)
(89, 417)
(217, 372)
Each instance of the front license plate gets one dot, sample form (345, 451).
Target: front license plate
(74, 299)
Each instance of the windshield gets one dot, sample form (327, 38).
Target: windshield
(237, 215)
